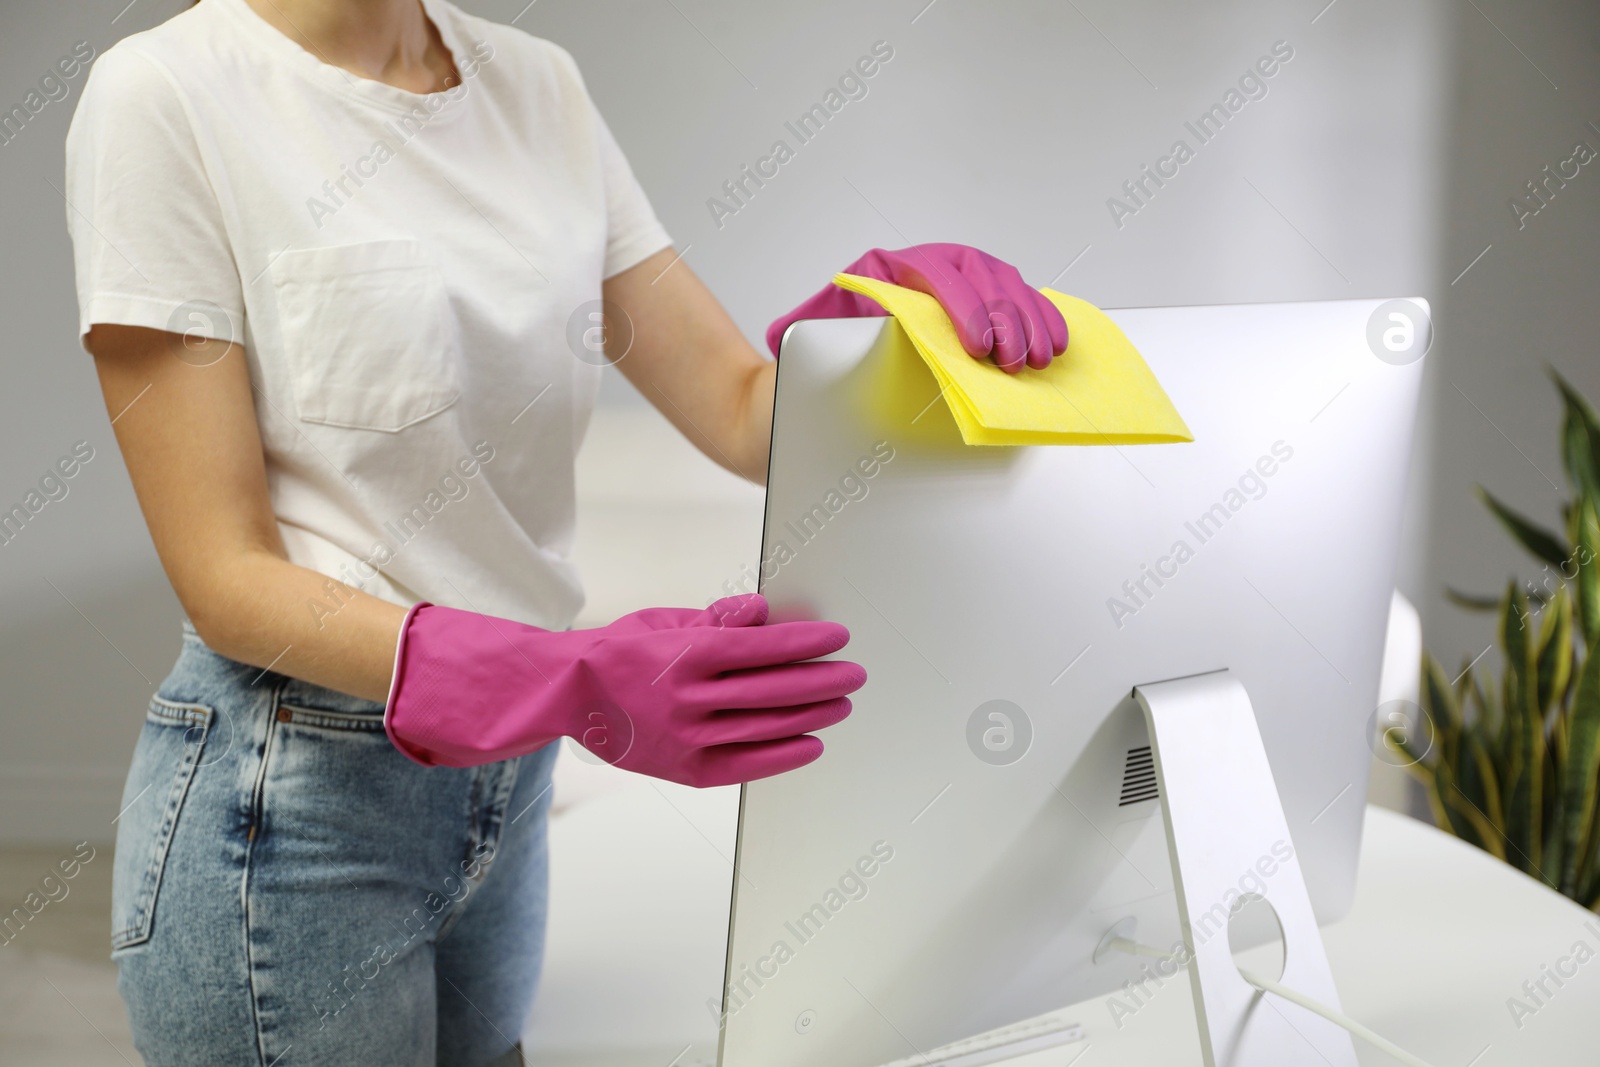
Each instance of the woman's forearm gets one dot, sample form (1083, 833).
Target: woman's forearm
(755, 422)
(184, 417)
(263, 610)
(689, 359)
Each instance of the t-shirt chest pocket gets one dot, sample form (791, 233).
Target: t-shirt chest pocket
(370, 341)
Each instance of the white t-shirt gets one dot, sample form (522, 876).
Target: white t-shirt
(411, 276)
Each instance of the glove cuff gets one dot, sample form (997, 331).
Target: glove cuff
(830, 302)
(394, 688)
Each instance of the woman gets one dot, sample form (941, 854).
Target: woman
(330, 254)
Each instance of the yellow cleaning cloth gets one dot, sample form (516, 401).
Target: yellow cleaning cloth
(1099, 392)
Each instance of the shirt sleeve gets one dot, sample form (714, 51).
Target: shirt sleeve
(150, 247)
(633, 232)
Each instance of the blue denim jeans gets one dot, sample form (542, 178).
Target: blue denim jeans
(289, 890)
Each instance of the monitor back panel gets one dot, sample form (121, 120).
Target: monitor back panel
(987, 813)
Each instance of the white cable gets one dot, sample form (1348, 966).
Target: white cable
(1267, 985)
(1378, 1042)
(1133, 948)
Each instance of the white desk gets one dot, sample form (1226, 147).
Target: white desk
(1440, 937)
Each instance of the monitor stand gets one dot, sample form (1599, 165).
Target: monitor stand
(1229, 844)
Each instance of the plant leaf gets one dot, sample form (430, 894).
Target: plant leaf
(1458, 814)
(1578, 779)
(1525, 797)
(1491, 784)
(1471, 601)
(1486, 603)
(1529, 534)
(1488, 836)
(1515, 631)
(1580, 440)
(1491, 722)
(1441, 814)
(1587, 556)
(1555, 651)
(1591, 863)
(1441, 711)
(1553, 847)
(1469, 777)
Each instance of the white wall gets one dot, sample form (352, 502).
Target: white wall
(1003, 124)
(89, 624)
(1527, 86)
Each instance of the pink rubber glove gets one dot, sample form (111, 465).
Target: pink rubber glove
(703, 698)
(993, 310)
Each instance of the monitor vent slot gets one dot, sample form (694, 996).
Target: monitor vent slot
(1138, 777)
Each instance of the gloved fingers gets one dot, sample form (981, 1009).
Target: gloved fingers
(769, 724)
(1055, 324)
(983, 316)
(743, 648)
(749, 609)
(1045, 330)
(744, 610)
(1009, 311)
(748, 761)
(661, 619)
(774, 687)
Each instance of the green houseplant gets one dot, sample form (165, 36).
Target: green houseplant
(1511, 764)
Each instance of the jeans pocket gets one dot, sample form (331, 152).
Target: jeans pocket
(164, 761)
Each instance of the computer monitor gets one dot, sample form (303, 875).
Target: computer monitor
(949, 865)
